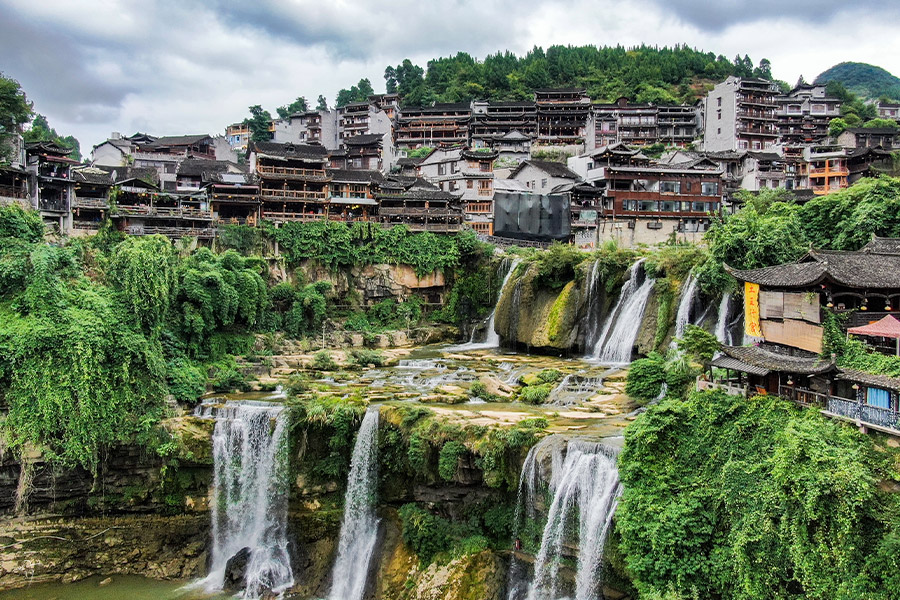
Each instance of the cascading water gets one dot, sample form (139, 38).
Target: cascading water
(616, 342)
(585, 489)
(492, 338)
(722, 332)
(683, 316)
(359, 529)
(249, 496)
(593, 306)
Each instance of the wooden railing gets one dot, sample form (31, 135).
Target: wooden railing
(269, 215)
(803, 396)
(165, 212)
(90, 203)
(202, 232)
(292, 194)
(863, 413)
(418, 212)
(8, 191)
(480, 207)
(728, 388)
(291, 172)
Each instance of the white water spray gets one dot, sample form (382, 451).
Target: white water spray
(249, 496)
(722, 332)
(616, 342)
(359, 529)
(492, 338)
(585, 489)
(683, 316)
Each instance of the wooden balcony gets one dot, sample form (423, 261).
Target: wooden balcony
(9, 191)
(432, 227)
(275, 172)
(418, 212)
(291, 195)
(728, 388)
(280, 216)
(172, 232)
(480, 207)
(100, 203)
(164, 212)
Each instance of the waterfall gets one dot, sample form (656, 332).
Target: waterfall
(492, 338)
(683, 316)
(593, 306)
(249, 496)
(585, 488)
(620, 330)
(722, 332)
(359, 528)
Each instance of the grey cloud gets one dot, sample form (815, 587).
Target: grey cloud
(52, 68)
(718, 15)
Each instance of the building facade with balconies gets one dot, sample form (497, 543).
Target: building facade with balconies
(293, 182)
(740, 114)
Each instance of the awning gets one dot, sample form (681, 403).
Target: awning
(726, 362)
(355, 201)
(888, 327)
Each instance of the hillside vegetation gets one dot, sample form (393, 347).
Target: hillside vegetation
(865, 80)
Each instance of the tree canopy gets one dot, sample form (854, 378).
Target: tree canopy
(259, 123)
(15, 111)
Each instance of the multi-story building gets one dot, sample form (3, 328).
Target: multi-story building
(542, 176)
(90, 202)
(389, 103)
(13, 176)
(888, 110)
(293, 183)
(828, 170)
(363, 152)
(677, 125)
(468, 174)
(804, 113)
(419, 205)
(740, 115)
(54, 188)
(562, 116)
(493, 121)
(165, 154)
(430, 126)
(633, 124)
(351, 194)
(869, 137)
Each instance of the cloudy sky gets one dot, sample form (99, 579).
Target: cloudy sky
(190, 66)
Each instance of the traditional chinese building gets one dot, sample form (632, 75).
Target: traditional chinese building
(419, 205)
(293, 183)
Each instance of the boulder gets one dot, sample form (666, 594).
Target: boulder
(236, 570)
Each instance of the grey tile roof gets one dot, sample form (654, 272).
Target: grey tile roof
(774, 361)
(880, 245)
(870, 379)
(301, 151)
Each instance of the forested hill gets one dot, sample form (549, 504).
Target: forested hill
(644, 73)
(864, 80)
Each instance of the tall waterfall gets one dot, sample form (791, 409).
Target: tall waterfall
(593, 306)
(585, 488)
(722, 331)
(616, 342)
(249, 496)
(492, 338)
(359, 529)
(683, 316)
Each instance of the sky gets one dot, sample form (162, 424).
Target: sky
(170, 67)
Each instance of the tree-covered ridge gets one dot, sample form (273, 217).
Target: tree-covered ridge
(865, 80)
(644, 73)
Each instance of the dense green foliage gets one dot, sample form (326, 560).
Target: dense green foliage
(557, 266)
(259, 122)
(646, 377)
(336, 244)
(863, 79)
(732, 498)
(643, 73)
(15, 110)
(77, 376)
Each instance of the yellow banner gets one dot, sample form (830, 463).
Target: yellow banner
(752, 326)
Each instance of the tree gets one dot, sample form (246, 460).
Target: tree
(764, 70)
(15, 110)
(837, 126)
(881, 124)
(260, 120)
(42, 132)
(322, 103)
(357, 93)
(297, 106)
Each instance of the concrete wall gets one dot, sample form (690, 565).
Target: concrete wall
(719, 131)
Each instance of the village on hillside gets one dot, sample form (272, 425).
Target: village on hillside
(633, 173)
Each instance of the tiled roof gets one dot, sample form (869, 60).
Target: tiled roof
(554, 169)
(204, 168)
(179, 140)
(301, 151)
(92, 176)
(367, 139)
(879, 381)
(852, 269)
(354, 176)
(881, 245)
(774, 361)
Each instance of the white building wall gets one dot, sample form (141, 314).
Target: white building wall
(720, 108)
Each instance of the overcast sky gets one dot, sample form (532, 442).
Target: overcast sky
(188, 66)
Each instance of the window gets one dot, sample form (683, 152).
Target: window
(648, 205)
(708, 188)
(719, 101)
(670, 187)
(543, 183)
(470, 184)
(442, 169)
(668, 206)
(719, 114)
(719, 131)
(699, 206)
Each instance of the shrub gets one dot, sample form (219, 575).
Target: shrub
(448, 460)
(357, 321)
(187, 382)
(296, 384)
(362, 357)
(549, 376)
(426, 534)
(322, 361)
(645, 377)
(535, 394)
(556, 266)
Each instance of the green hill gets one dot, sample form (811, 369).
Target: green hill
(864, 80)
